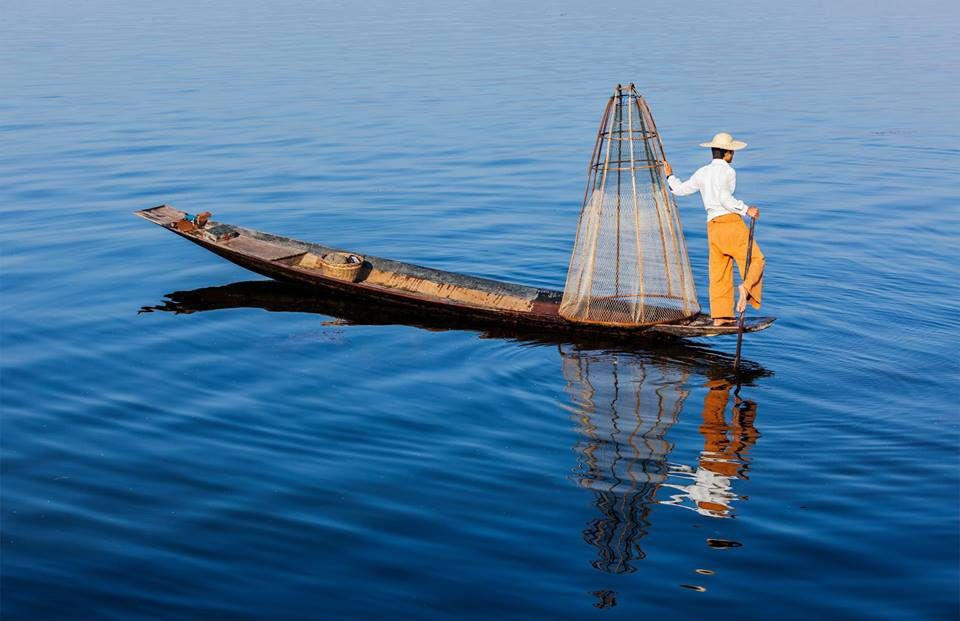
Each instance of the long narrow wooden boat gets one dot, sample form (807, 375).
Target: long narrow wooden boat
(392, 283)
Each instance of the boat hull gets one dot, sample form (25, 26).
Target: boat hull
(384, 282)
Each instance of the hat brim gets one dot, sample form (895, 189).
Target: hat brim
(734, 145)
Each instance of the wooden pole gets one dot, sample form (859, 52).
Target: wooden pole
(746, 273)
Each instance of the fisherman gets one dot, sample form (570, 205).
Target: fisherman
(727, 234)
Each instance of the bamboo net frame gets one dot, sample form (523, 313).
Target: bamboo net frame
(629, 265)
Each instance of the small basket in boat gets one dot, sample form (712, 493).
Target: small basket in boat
(340, 265)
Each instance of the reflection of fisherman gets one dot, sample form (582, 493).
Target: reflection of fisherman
(723, 457)
(625, 407)
(726, 232)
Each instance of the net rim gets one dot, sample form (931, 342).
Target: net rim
(617, 324)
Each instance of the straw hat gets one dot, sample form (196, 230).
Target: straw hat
(723, 140)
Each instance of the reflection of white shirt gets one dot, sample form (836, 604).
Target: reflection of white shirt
(716, 182)
(705, 486)
(710, 487)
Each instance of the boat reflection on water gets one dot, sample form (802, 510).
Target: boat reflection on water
(276, 296)
(626, 397)
(625, 405)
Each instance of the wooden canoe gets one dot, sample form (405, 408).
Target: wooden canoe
(383, 282)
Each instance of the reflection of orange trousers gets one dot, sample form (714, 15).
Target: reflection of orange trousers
(728, 237)
(725, 454)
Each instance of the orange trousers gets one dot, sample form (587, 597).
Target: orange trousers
(728, 237)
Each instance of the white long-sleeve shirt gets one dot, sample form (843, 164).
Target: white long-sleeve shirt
(716, 182)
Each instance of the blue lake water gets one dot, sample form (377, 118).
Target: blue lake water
(260, 454)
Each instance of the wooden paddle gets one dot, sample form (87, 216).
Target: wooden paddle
(746, 272)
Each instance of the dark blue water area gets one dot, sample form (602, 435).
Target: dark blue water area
(247, 451)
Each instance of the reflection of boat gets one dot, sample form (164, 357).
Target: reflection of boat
(382, 282)
(625, 400)
(289, 297)
(625, 406)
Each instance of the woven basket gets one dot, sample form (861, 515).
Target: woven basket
(341, 265)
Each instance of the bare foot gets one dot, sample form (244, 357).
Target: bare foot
(742, 300)
(724, 321)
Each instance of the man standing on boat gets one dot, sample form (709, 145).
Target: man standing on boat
(727, 234)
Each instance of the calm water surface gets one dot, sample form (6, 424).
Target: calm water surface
(249, 451)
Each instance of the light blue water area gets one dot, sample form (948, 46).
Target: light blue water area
(231, 462)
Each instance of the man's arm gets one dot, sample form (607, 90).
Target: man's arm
(679, 188)
(732, 204)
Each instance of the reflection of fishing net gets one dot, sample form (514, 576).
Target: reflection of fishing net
(624, 407)
(630, 265)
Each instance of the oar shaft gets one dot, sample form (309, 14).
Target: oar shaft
(746, 274)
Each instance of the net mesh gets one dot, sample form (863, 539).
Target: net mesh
(630, 265)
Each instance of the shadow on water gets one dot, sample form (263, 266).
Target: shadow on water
(625, 406)
(626, 397)
(275, 296)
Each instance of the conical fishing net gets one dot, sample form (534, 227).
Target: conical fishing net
(630, 265)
